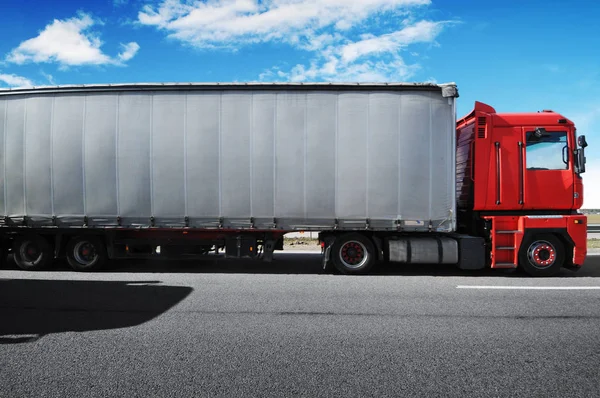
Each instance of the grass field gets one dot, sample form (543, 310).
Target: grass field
(593, 218)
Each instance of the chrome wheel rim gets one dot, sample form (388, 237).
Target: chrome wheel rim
(85, 253)
(353, 254)
(541, 254)
(30, 252)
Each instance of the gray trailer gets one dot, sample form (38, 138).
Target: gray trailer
(109, 171)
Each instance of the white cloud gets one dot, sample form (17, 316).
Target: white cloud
(274, 74)
(335, 71)
(49, 78)
(371, 58)
(423, 31)
(129, 51)
(335, 32)
(15, 81)
(69, 42)
(587, 122)
(229, 23)
(591, 187)
(586, 118)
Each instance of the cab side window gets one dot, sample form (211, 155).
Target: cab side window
(548, 151)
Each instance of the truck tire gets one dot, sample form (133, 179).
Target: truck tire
(353, 254)
(3, 254)
(86, 253)
(32, 252)
(542, 255)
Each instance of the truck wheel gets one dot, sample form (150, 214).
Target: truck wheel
(86, 253)
(3, 254)
(353, 254)
(32, 253)
(542, 255)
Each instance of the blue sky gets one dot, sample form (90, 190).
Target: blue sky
(514, 55)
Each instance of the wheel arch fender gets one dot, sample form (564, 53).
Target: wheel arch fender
(561, 233)
(331, 239)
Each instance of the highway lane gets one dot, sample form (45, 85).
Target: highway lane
(230, 328)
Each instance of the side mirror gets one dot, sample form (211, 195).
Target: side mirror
(580, 154)
(580, 159)
(539, 132)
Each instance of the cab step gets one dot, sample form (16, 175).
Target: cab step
(505, 265)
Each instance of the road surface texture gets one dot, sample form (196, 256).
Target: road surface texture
(242, 329)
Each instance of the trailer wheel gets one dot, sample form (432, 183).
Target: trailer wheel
(353, 254)
(3, 254)
(542, 255)
(32, 252)
(86, 253)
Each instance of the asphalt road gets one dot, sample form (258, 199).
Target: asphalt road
(235, 329)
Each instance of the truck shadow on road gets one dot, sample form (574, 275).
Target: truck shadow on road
(310, 263)
(31, 309)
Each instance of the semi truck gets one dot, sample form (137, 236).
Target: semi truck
(384, 172)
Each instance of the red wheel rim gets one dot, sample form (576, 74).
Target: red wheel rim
(353, 254)
(541, 254)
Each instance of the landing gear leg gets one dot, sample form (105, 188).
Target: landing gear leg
(269, 248)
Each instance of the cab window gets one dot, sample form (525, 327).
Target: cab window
(548, 151)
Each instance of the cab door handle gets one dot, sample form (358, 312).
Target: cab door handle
(521, 175)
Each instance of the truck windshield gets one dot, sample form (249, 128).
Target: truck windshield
(548, 152)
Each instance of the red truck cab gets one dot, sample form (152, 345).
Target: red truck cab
(519, 185)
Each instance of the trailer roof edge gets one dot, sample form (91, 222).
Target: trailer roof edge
(448, 89)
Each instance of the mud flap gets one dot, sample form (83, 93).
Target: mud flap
(327, 265)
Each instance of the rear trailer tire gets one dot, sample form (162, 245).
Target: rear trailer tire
(3, 254)
(542, 255)
(86, 253)
(32, 252)
(353, 254)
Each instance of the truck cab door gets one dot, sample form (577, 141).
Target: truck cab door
(505, 170)
(548, 169)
